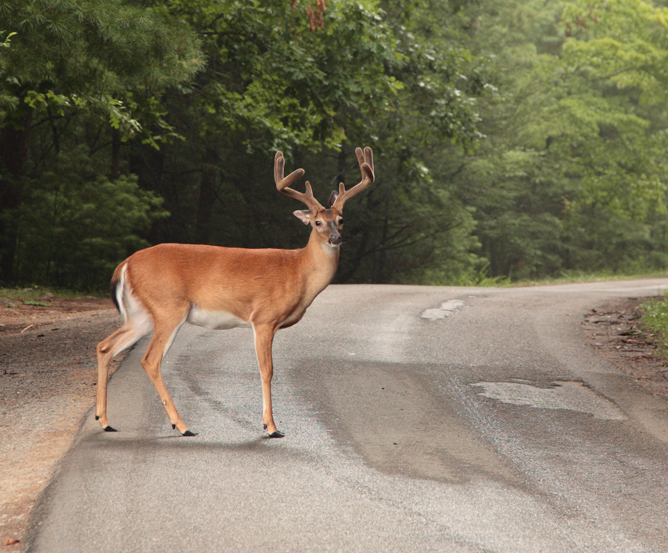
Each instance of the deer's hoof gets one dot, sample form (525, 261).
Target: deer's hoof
(97, 417)
(109, 429)
(277, 434)
(188, 433)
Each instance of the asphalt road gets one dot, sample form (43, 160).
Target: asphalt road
(416, 419)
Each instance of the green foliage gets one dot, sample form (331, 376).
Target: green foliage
(655, 318)
(6, 100)
(106, 56)
(95, 46)
(513, 139)
(623, 42)
(7, 40)
(80, 72)
(572, 172)
(35, 303)
(76, 225)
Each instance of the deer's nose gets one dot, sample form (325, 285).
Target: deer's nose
(334, 239)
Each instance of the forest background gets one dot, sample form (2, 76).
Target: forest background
(513, 139)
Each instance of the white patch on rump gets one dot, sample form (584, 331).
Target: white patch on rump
(133, 312)
(215, 320)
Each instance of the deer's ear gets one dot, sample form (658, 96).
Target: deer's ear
(332, 197)
(304, 215)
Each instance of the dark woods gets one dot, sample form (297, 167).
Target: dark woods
(499, 153)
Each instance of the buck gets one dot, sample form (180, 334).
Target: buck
(161, 288)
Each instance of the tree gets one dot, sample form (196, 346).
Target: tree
(572, 174)
(74, 59)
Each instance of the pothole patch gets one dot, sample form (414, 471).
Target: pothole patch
(445, 310)
(572, 396)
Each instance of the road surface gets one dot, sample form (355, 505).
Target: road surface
(416, 419)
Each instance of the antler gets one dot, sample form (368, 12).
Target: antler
(365, 159)
(283, 183)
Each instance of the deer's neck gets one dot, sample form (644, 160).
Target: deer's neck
(319, 265)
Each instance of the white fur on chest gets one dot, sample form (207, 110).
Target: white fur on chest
(215, 320)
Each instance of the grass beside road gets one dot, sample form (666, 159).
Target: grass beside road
(481, 279)
(655, 318)
(579, 276)
(37, 295)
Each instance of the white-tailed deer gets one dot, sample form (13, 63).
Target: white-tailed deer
(162, 287)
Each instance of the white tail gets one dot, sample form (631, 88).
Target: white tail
(162, 287)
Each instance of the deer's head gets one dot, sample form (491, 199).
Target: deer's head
(326, 222)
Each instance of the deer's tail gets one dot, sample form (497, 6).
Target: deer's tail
(116, 289)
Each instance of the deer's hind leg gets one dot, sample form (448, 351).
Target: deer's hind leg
(107, 349)
(166, 328)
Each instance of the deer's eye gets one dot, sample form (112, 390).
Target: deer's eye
(341, 221)
(318, 223)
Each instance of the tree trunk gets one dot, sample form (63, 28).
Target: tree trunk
(13, 156)
(342, 166)
(381, 277)
(115, 154)
(207, 196)
(149, 166)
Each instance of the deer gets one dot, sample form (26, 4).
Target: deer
(161, 288)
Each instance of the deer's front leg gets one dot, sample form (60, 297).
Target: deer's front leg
(264, 336)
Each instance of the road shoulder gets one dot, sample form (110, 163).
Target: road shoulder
(614, 331)
(48, 380)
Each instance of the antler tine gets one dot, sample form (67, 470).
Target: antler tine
(365, 160)
(283, 183)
